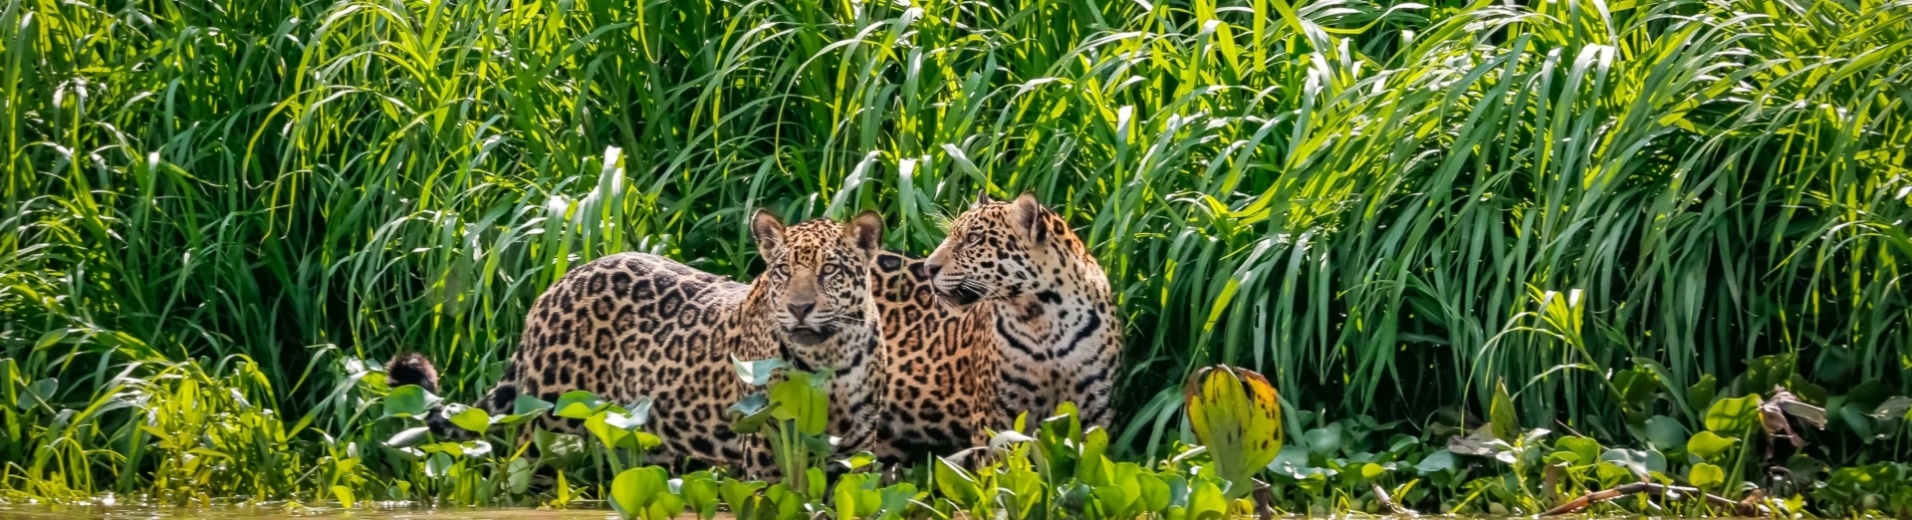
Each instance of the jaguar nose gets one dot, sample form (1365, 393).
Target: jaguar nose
(802, 310)
(931, 268)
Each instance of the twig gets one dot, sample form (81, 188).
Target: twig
(1589, 499)
(1388, 502)
(1264, 502)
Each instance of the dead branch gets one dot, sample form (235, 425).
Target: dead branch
(1264, 502)
(1381, 495)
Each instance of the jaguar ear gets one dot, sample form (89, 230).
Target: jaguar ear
(1028, 217)
(768, 230)
(982, 197)
(867, 229)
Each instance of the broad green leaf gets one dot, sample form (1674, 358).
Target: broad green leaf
(1893, 408)
(523, 409)
(1237, 416)
(749, 414)
(1708, 445)
(956, 484)
(637, 488)
(738, 495)
(623, 421)
(852, 496)
(1584, 450)
(1705, 476)
(1206, 502)
(1700, 395)
(38, 394)
(1371, 471)
(666, 505)
(1325, 441)
(1665, 433)
(1439, 461)
(858, 460)
(579, 404)
(796, 399)
(1501, 414)
(816, 481)
(1290, 461)
(472, 419)
(758, 372)
(896, 499)
(1636, 386)
(437, 465)
(344, 494)
(1733, 415)
(518, 475)
(1114, 499)
(606, 433)
(1154, 492)
(525, 404)
(408, 401)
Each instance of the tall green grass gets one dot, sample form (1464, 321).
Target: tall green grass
(1388, 208)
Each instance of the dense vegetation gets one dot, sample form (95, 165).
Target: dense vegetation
(220, 215)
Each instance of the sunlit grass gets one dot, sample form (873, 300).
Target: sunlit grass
(1385, 208)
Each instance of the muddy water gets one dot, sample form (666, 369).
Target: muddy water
(281, 511)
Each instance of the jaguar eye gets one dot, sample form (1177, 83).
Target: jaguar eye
(973, 239)
(828, 270)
